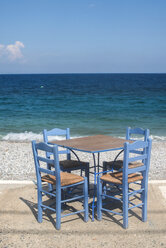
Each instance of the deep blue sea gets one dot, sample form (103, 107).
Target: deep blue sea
(87, 103)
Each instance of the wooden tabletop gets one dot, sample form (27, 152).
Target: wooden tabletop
(92, 144)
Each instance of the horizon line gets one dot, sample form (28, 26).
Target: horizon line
(53, 73)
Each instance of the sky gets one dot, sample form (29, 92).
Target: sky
(82, 36)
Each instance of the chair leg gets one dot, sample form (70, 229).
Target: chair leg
(144, 200)
(142, 186)
(86, 213)
(40, 214)
(87, 174)
(99, 198)
(125, 206)
(50, 186)
(104, 184)
(58, 208)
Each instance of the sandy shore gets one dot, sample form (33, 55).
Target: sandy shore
(19, 227)
(17, 160)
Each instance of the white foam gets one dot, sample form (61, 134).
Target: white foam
(27, 136)
(158, 138)
(153, 137)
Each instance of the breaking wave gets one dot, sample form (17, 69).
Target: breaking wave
(29, 136)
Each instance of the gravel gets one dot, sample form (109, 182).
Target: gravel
(17, 160)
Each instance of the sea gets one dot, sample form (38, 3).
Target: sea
(88, 104)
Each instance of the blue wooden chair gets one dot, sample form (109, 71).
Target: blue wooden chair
(119, 182)
(118, 164)
(60, 180)
(67, 164)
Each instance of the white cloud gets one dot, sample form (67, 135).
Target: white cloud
(12, 52)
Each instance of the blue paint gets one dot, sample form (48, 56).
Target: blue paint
(144, 148)
(56, 191)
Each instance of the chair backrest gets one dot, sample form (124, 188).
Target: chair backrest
(138, 151)
(41, 161)
(138, 132)
(57, 132)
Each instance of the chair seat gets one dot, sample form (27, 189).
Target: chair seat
(66, 179)
(116, 177)
(68, 164)
(118, 164)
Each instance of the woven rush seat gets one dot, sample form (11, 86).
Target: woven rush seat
(67, 164)
(118, 164)
(66, 179)
(116, 177)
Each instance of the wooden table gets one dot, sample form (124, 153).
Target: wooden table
(94, 145)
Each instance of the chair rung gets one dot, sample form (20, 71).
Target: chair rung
(112, 197)
(72, 199)
(136, 192)
(73, 192)
(48, 193)
(44, 207)
(113, 212)
(135, 206)
(135, 183)
(71, 185)
(81, 211)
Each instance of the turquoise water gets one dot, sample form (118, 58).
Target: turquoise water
(87, 103)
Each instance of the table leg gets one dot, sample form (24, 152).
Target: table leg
(95, 174)
(98, 161)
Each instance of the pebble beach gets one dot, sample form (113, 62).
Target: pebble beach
(17, 160)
